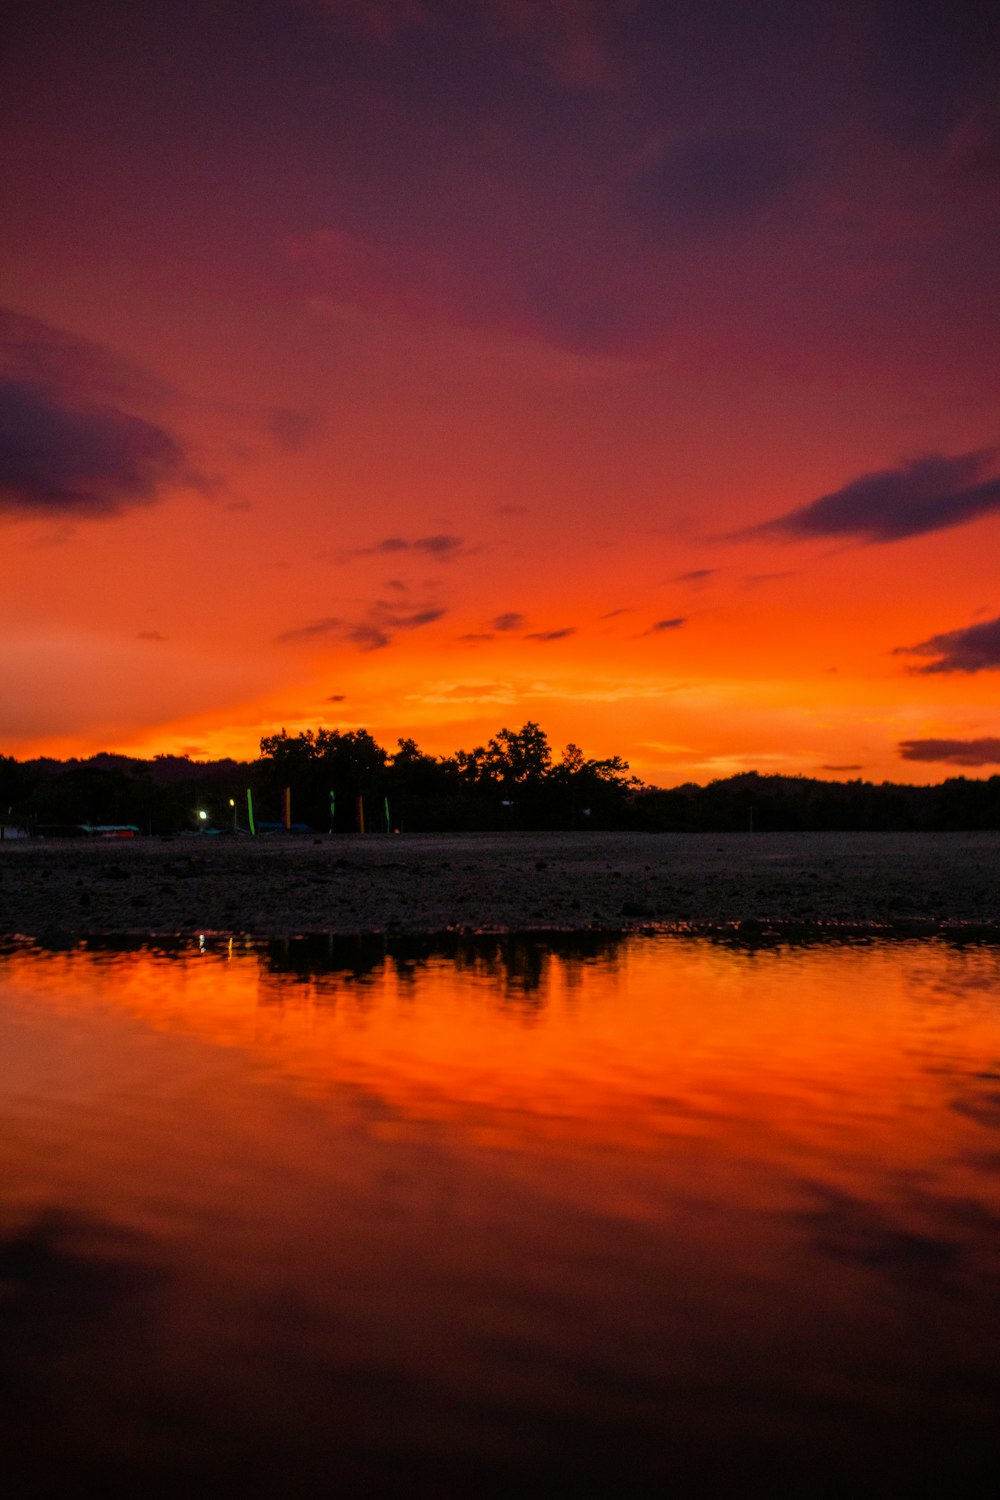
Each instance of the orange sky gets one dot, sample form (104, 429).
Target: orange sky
(383, 364)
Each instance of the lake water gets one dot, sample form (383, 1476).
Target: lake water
(511, 1218)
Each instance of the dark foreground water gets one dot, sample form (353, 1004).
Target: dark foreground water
(520, 1218)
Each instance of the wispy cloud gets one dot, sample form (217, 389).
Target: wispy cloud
(501, 624)
(980, 752)
(36, 353)
(440, 545)
(465, 692)
(290, 427)
(926, 494)
(696, 575)
(976, 648)
(377, 629)
(551, 635)
(673, 624)
(761, 580)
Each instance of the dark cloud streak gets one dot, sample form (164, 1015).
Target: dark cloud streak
(551, 635)
(976, 648)
(374, 632)
(980, 752)
(69, 445)
(926, 494)
(440, 546)
(57, 460)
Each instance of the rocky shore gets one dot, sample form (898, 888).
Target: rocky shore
(748, 883)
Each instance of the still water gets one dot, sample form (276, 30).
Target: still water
(515, 1217)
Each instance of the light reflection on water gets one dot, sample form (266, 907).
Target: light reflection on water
(508, 1216)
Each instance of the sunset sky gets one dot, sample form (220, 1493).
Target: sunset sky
(429, 366)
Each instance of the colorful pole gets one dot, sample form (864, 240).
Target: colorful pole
(333, 811)
(361, 815)
(287, 808)
(253, 825)
(388, 824)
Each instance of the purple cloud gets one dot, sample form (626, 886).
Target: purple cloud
(65, 460)
(71, 368)
(510, 620)
(672, 624)
(974, 649)
(69, 443)
(981, 752)
(716, 181)
(925, 494)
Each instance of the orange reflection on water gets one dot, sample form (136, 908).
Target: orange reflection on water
(844, 1060)
(732, 1197)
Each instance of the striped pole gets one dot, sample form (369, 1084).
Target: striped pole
(253, 825)
(287, 808)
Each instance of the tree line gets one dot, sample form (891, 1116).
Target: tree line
(337, 781)
(340, 780)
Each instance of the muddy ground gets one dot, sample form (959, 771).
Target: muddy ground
(509, 882)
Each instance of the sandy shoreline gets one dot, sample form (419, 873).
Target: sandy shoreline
(505, 882)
